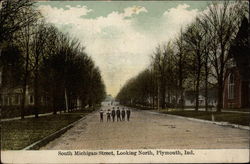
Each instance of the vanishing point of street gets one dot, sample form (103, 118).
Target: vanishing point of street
(149, 130)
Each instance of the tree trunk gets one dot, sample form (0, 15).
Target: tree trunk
(36, 94)
(23, 98)
(181, 82)
(169, 94)
(158, 97)
(163, 94)
(66, 101)
(197, 87)
(206, 83)
(182, 99)
(197, 90)
(220, 94)
(54, 101)
(26, 74)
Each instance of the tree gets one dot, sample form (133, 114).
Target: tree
(39, 41)
(181, 60)
(24, 39)
(10, 17)
(194, 37)
(11, 62)
(223, 21)
(162, 65)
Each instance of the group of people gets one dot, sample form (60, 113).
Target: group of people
(119, 114)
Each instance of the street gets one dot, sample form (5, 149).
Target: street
(148, 130)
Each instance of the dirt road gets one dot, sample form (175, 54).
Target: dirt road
(148, 130)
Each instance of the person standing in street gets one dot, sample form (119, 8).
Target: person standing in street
(108, 115)
(101, 115)
(123, 114)
(118, 114)
(128, 114)
(113, 114)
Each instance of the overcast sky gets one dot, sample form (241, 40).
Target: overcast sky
(121, 36)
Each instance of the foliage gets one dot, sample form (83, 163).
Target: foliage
(36, 54)
(195, 60)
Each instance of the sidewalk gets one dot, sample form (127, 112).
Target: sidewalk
(231, 111)
(29, 116)
(214, 110)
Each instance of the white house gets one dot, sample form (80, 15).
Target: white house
(109, 100)
(189, 98)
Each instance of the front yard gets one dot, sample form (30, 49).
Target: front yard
(234, 118)
(18, 134)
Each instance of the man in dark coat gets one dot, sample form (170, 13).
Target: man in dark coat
(101, 115)
(123, 114)
(118, 113)
(113, 114)
(108, 115)
(128, 114)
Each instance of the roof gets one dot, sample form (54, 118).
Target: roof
(240, 51)
(109, 98)
(212, 94)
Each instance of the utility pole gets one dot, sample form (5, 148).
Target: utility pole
(66, 100)
(158, 95)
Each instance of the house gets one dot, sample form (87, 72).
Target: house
(189, 98)
(109, 100)
(237, 83)
(13, 96)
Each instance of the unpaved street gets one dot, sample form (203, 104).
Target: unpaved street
(148, 130)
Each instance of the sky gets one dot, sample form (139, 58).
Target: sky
(121, 36)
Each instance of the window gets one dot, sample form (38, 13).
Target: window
(231, 63)
(1, 100)
(231, 84)
(6, 100)
(31, 99)
(16, 99)
(1, 77)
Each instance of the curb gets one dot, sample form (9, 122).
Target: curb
(38, 144)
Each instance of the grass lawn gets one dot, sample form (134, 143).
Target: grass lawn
(18, 134)
(239, 109)
(235, 118)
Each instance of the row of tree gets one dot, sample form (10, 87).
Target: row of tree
(36, 54)
(194, 60)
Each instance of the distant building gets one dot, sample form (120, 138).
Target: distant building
(13, 97)
(190, 101)
(109, 100)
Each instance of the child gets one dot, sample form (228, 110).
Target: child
(118, 114)
(108, 115)
(123, 114)
(101, 115)
(113, 114)
(128, 114)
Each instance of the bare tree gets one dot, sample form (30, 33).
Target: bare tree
(160, 63)
(39, 42)
(181, 62)
(223, 21)
(194, 37)
(24, 39)
(10, 14)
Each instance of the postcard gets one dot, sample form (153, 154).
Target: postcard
(124, 81)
